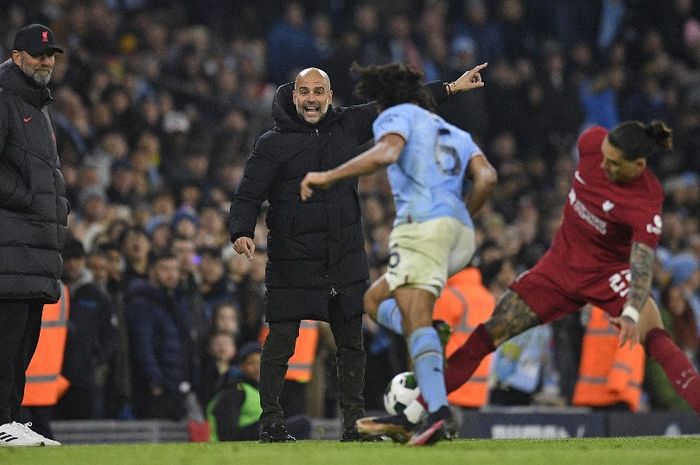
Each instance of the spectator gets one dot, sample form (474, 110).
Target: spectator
(214, 285)
(290, 45)
(91, 341)
(235, 411)
(161, 350)
(217, 367)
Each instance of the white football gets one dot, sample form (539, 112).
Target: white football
(401, 391)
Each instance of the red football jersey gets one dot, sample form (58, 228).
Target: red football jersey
(602, 218)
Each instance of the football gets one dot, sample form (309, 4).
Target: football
(401, 391)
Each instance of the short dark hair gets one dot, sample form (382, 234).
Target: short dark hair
(638, 140)
(159, 257)
(391, 85)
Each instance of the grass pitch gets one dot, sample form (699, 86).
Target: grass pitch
(604, 451)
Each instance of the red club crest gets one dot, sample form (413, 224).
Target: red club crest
(45, 37)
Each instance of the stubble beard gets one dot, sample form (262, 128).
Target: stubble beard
(40, 77)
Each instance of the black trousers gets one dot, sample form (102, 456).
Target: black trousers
(20, 324)
(350, 358)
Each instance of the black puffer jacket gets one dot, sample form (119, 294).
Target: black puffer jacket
(315, 248)
(33, 206)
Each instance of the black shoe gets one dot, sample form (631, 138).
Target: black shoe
(397, 427)
(433, 428)
(350, 434)
(276, 432)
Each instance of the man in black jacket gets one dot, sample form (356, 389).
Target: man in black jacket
(162, 351)
(33, 215)
(317, 267)
(91, 339)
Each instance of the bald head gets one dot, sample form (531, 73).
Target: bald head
(312, 94)
(312, 75)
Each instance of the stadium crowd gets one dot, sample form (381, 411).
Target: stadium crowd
(158, 103)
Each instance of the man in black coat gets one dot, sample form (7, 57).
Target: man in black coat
(33, 216)
(162, 352)
(91, 339)
(317, 267)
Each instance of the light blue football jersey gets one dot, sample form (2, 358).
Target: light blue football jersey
(427, 179)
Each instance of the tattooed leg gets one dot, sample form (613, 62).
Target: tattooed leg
(511, 317)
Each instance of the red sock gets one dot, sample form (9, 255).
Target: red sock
(679, 371)
(465, 360)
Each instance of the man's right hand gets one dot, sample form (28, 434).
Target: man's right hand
(245, 245)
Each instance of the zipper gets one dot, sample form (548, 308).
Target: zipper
(333, 291)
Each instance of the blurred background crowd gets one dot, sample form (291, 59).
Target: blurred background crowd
(158, 104)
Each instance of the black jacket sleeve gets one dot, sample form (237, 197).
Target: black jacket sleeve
(260, 171)
(438, 91)
(14, 194)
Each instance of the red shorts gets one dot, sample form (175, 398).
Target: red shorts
(553, 289)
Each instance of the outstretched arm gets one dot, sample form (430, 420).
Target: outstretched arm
(642, 269)
(385, 152)
(484, 177)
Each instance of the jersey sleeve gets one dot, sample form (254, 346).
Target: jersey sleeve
(646, 223)
(471, 148)
(393, 120)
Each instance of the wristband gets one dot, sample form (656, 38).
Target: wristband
(631, 313)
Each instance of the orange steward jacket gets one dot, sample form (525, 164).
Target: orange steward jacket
(608, 374)
(464, 304)
(301, 362)
(45, 385)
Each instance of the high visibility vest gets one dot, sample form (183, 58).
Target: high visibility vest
(464, 304)
(45, 385)
(608, 374)
(301, 363)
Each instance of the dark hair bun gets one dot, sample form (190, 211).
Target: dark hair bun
(660, 133)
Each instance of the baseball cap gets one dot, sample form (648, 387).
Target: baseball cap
(36, 39)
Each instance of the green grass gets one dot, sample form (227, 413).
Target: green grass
(615, 451)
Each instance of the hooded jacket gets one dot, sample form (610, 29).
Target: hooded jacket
(315, 248)
(33, 206)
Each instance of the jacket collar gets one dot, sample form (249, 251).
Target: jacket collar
(288, 120)
(12, 78)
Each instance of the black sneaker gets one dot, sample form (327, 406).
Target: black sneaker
(276, 432)
(397, 427)
(350, 434)
(433, 428)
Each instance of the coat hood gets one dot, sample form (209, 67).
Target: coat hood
(286, 117)
(12, 78)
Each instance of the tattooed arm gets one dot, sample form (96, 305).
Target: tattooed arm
(641, 269)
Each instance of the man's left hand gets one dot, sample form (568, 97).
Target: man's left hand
(469, 80)
(629, 331)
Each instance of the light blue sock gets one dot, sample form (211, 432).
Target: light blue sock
(428, 362)
(389, 316)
